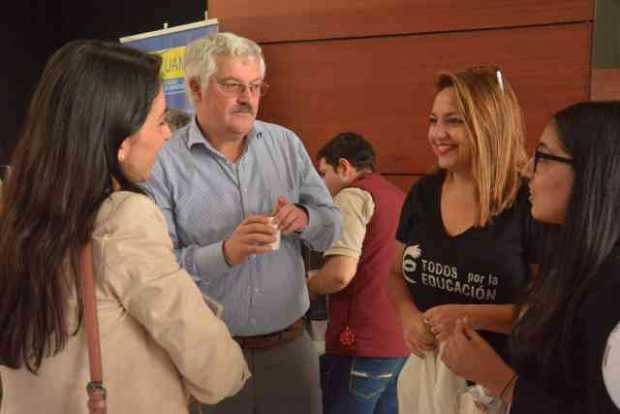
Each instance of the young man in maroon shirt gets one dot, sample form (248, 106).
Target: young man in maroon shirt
(365, 350)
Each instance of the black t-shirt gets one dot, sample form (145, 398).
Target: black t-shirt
(483, 265)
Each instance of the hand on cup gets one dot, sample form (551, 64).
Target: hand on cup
(290, 217)
(255, 235)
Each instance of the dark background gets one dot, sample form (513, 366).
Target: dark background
(31, 33)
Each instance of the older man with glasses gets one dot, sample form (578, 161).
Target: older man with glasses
(229, 186)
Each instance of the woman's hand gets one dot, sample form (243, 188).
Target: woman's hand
(441, 319)
(469, 356)
(418, 337)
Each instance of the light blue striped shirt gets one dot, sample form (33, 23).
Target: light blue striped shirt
(204, 197)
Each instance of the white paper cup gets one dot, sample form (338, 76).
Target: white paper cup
(276, 244)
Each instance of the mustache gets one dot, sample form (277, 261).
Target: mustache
(243, 108)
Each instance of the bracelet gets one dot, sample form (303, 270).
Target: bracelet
(512, 380)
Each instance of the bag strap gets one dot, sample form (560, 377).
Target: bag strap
(96, 390)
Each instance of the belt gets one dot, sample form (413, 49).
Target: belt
(272, 339)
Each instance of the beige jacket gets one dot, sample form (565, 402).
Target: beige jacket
(159, 340)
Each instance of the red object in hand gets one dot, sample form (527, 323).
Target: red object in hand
(347, 337)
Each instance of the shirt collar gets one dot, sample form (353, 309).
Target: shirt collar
(196, 137)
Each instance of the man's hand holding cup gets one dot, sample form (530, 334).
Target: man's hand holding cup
(290, 217)
(257, 234)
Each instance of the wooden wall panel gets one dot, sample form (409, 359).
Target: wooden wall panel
(286, 20)
(605, 84)
(383, 87)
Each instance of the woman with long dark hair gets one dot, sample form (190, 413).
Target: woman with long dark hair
(93, 130)
(565, 342)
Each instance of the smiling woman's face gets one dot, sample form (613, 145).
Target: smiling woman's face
(447, 133)
(551, 181)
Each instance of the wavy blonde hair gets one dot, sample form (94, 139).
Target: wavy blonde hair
(495, 130)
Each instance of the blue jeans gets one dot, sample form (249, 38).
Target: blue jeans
(359, 385)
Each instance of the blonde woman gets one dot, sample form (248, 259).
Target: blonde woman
(465, 238)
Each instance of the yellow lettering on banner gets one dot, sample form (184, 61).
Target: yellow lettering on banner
(172, 62)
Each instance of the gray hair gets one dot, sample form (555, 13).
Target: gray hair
(199, 61)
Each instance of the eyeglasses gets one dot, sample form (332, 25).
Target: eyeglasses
(539, 155)
(234, 88)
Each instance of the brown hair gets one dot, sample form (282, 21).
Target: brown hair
(495, 130)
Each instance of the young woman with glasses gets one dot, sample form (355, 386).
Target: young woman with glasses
(566, 343)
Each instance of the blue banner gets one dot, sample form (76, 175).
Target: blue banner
(170, 45)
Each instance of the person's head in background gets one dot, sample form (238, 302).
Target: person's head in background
(343, 159)
(575, 186)
(94, 125)
(224, 78)
(176, 118)
(476, 131)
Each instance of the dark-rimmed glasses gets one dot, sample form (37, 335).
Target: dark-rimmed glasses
(539, 155)
(235, 88)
